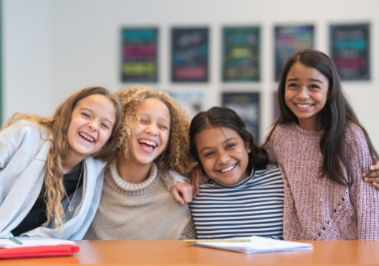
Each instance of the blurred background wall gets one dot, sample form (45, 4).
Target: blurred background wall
(52, 48)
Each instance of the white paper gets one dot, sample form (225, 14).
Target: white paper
(33, 241)
(256, 245)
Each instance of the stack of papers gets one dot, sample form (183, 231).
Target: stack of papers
(23, 247)
(254, 244)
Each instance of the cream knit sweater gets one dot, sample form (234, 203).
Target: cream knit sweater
(316, 208)
(140, 211)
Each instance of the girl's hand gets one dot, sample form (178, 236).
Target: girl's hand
(372, 175)
(182, 192)
(197, 178)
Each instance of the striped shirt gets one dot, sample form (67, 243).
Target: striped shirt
(252, 207)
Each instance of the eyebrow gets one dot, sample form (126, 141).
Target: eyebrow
(90, 110)
(159, 118)
(314, 80)
(225, 141)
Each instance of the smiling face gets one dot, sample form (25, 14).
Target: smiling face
(306, 93)
(91, 126)
(223, 154)
(150, 135)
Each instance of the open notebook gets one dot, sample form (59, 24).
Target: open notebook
(254, 244)
(23, 247)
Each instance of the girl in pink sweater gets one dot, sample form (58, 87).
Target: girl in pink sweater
(322, 151)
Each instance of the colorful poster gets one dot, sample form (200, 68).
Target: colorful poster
(350, 50)
(139, 48)
(246, 105)
(241, 54)
(189, 54)
(190, 100)
(288, 41)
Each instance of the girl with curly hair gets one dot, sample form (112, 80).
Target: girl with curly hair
(154, 152)
(51, 168)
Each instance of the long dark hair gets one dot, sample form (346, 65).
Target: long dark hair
(334, 116)
(225, 117)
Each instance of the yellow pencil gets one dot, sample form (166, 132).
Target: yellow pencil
(218, 240)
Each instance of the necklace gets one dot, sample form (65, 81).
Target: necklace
(70, 208)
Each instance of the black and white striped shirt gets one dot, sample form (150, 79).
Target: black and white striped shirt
(252, 207)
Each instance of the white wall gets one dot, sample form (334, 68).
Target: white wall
(26, 71)
(54, 47)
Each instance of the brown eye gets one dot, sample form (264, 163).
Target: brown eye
(230, 145)
(104, 125)
(84, 114)
(208, 154)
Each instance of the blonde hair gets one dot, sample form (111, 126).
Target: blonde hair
(176, 156)
(58, 125)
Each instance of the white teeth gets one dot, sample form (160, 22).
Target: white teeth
(227, 169)
(304, 105)
(86, 137)
(150, 143)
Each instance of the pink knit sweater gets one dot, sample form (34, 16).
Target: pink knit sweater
(316, 208)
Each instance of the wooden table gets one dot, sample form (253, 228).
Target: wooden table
(175, 252)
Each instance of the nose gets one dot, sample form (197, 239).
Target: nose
(222, 158)
(303, 93)
(151, 129)
(93, 124)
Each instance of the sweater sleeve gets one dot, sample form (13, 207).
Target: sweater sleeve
(12, 137)
(364, 197)
(189, 231)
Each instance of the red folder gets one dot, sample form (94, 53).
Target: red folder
(38, 251)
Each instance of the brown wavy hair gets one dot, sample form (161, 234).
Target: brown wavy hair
(57, 126)
(176, 156)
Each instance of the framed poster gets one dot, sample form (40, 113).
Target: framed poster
(139, 55)
(190, 100)
(350, 50)
(288, 40)
(189, 54)
(246, 105)
(241, 54)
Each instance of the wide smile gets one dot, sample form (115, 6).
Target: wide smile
(304, 106)
(87, 137)
(148, 145)
(228, 169)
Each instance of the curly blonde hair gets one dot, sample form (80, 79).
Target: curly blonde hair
(58, 126)
(176, 156)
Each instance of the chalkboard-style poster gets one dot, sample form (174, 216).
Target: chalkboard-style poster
(189, 54)
(289, 40)
(139, 50)
(349, 49)
(241, 54)
(190, 100)
(246, 105)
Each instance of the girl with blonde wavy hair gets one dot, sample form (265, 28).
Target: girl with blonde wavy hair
(154, 152)
(51, 168)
